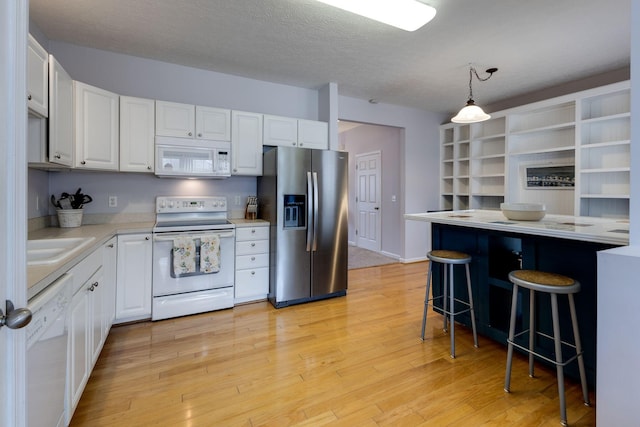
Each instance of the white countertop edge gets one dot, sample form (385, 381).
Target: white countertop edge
(485, 219)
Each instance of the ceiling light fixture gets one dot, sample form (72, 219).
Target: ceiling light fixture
(408, 15)
(471, 113)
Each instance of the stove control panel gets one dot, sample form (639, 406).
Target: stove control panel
(182, 204)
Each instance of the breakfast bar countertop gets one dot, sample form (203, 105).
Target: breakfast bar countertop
(589, 229)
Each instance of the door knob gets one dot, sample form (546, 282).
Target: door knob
(16, 318)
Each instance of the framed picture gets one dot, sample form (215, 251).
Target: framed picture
(553, 177)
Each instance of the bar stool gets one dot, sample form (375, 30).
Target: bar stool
(449, 259)
(554, 285)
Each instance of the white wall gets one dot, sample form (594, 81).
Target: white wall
(388, 140)
(420, 163)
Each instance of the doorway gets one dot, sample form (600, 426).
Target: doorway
(362, 141)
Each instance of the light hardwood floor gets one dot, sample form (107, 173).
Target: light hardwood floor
(351, 361)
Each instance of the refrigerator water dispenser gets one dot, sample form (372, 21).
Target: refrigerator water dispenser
(294, 210)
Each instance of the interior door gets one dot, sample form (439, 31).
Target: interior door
(368, 178)
(13, 141)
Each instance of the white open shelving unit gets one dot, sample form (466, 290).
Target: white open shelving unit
(483, 164)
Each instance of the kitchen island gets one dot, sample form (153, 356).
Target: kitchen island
(557, 243)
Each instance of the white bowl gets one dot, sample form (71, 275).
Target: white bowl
(523, 211)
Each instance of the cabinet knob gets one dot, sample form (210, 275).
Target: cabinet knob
(29, 97)
(293, 143)
(253, 244)
(96, 284)
(149, 168)
(110, 246)
(83, 162)
(57, 156)
(253, 258)
(300, 144)
(146, 238)
(253, 273)
(190, 134)
(253, 230)
(235, 170)
(199, 135)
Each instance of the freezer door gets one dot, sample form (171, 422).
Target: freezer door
(293, 261)
(329, 260)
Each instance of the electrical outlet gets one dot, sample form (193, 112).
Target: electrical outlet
(113, 201)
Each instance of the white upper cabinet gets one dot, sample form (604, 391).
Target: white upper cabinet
(290, 132)
(37, 78)
(96, 127)
(190, 121)
(246, 143)
(60, 114)
(137, 128)
(281, 131)
(313, 134)
(213, 123)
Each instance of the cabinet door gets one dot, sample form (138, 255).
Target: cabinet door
(96, 294)
(312, 134)
(213, 123)
(60, 114)
(78, 361)
(109, 266)
(246, 143)
(282, 131)
(37, 78)
(133, 293)
(174, 119)
(137, 127)
(96, 127)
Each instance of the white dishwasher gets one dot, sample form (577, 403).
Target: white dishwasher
(47, 337)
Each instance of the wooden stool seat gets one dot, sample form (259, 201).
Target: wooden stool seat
(449, 259)
(554, 285)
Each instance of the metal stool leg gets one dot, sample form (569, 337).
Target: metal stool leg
(512, 332)
(576, 338)
(532, 328)
(426, 300)
(445, 287)
(451, 307)
(558, 349)
(473, 314)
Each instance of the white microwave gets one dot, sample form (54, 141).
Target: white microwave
(192, 158)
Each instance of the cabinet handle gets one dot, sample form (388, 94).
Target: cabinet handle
(110, 246)
(83, 162)
(190, 134)
(29, 97)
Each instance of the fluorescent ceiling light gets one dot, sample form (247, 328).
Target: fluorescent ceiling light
(408, 15)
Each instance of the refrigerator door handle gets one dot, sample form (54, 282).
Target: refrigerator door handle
(309, 212)
(315, 212)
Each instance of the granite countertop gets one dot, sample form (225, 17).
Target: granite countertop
(41, 276)
(589, 229)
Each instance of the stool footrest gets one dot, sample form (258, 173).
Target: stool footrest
(441, 310)
(543, 357)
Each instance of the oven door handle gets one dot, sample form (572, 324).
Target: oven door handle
(172, 236)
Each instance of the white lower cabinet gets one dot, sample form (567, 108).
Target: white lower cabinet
(133, 294)
(86, 332)
(252, 263)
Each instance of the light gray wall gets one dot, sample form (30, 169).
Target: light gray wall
(419, 163)
(388, 140)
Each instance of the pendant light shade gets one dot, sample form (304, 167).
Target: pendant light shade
(471, 113)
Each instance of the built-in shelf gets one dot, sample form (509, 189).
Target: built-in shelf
(484, 163)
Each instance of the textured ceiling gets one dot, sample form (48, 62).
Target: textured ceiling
(535, 44)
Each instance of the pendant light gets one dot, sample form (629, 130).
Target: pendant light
(471, 113)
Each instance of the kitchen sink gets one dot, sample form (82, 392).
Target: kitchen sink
(51, 251)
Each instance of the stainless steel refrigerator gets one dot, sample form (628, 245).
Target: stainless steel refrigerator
(303, 194)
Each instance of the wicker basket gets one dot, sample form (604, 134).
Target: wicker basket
(68, 218)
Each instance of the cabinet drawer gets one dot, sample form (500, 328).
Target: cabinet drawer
(251, 233)
(84, 269)
(254, 282)
(252, 247)
(252, 261)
